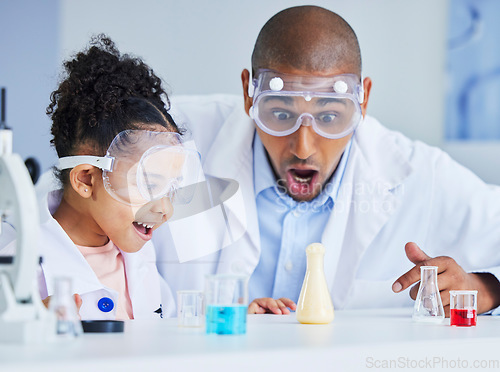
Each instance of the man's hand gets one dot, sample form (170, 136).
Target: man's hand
(450, 277)
(271, 306)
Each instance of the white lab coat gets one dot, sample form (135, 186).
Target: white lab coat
(394, 191)
(61, 258)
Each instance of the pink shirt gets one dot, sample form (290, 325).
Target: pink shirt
(107, 263)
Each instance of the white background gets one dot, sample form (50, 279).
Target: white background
(200, 47)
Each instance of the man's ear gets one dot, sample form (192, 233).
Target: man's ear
(82, 180)
(367, 86)
(245, 81)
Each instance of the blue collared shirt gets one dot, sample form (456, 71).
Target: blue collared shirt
(286, 227)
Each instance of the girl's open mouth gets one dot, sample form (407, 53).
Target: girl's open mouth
(145, 230)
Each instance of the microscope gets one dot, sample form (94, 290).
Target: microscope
(23, 317)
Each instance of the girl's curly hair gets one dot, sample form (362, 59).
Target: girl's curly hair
(103, 93)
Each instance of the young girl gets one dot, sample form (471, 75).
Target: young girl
(120, 155)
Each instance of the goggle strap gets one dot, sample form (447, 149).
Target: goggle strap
(251, 88)
(69, 162)
(361, 93)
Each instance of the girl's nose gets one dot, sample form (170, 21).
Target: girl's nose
(163, 206)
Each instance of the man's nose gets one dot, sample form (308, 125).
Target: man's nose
(303, 141)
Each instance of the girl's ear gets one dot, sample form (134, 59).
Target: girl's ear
(82, 179)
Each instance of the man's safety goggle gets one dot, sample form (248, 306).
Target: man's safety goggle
(284, 102)
(141, 166)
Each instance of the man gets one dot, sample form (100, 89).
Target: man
(314, 167)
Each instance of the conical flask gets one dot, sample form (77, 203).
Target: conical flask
(62, 305)
(428, 306)
(315, 305)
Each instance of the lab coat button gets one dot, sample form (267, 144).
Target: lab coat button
(289, 266)
(296, 213)
(105, 304)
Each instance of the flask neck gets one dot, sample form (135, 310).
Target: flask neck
(428, 275)
(315, 261)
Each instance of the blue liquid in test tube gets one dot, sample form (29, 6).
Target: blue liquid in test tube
(226, 320)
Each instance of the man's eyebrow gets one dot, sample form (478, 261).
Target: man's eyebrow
(286, 100)
(326, 101)
(290, 100)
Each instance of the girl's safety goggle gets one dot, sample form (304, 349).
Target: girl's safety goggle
(284, 102)
(141, 166)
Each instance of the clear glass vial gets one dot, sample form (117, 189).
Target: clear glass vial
(62, 304)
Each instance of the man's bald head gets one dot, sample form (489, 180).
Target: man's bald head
(307, 38)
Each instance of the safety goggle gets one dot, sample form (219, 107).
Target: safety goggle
(284, 102)
(141, 166)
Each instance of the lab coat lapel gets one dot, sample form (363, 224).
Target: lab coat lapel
(367, 198)
(335, 229)
(141, 286)
(231, 156)
(61, 258)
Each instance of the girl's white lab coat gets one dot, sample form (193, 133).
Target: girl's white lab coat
(148, 292)
(394, 191)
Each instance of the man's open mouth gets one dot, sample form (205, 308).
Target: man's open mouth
(301, 182)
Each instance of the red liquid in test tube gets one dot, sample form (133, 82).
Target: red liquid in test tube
(463, 317)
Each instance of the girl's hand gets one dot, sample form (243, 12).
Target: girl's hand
(76, 296)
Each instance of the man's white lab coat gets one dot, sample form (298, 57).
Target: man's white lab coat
(394, 190)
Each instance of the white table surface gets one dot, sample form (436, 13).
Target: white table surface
(355, 341)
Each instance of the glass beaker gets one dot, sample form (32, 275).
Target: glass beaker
(463, 308)
(428, 305)
(190, 308)
(226, 299)
(62, 304)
